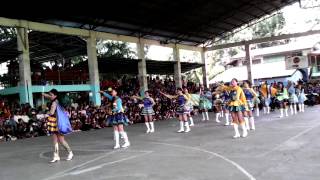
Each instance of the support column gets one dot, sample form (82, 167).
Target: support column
(142, 68)
(205, 78)
(177, 67)
(93, 69)
(25, 84)
(249, 63)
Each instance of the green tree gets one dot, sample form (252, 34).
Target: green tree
(7, 34)
(115, 49)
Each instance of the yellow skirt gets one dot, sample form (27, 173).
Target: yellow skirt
(52, 125)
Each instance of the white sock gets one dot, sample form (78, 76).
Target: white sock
(295, 109)
(246, 120)
(203, 116)
(302, 105)
(268, 110)
(291, 109)
(252, 123)
(257, 112)
(207, 116)
(281, 112)
(152, 126)
(265, 110)
(222, 114)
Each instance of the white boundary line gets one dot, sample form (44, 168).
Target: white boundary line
(65, 172)
(240, 168)
(290, 139)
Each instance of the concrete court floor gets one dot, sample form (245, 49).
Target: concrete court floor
(280, 149)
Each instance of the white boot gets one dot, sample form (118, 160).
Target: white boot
(246, 120)
(286, 111)
(187, 127)
(191, 121)
(126, 139)
(217, 117)
(295, 109)
(236, 130)
(116, 140)
(253, 127)
(70, 156)
(264, 110)
(151, 127)
(227, 119)
(148, 128)
(268, 110)
(257, 112)
(181, 127)
(203, 116)
(244, 130)
(56, 156)
(281, 113)
(222, 114)
(302, 107)
(207, 115)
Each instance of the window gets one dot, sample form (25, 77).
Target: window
(318, 63)
(312, 61)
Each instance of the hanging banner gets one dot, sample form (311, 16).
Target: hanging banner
(296, 62)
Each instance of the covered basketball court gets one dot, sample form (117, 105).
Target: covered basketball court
(188, 25)
(285, 149)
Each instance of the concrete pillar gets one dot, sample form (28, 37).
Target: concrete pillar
(177, 67)
(93, 69)
(25, 84)
(205, 79)
(142, 68)
(249, 63)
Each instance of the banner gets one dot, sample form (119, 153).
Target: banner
(296, 62)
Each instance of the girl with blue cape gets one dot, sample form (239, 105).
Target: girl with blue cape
(117, 119)
(58, 125)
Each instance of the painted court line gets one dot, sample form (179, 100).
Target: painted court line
(105, 164)
(290, 139)
(240, 168)
(78, 166)
(65, 172)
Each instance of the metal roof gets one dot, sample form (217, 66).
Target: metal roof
(190, 22)
(45, 47)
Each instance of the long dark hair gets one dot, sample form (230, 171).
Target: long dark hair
(60, 97)
(281, 85)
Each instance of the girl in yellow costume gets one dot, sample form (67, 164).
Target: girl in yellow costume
(52, 123)
(237, 107)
